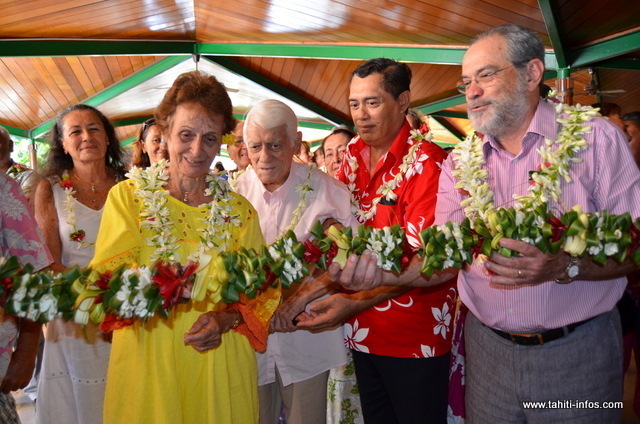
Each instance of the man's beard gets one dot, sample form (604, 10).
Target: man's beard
(504, 114)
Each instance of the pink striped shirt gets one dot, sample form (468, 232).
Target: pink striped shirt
(607, 178)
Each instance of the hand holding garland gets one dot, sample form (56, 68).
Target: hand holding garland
(522, 247)
(206, 332)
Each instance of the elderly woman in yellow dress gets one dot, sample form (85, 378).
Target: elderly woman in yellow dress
(197, 365)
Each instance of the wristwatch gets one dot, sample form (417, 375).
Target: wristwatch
(571, 271)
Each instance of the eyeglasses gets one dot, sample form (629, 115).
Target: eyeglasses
(481, 80)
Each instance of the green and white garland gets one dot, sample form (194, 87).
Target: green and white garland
(472, 177)
(155, 215)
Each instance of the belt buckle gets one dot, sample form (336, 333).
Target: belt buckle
(536, 336)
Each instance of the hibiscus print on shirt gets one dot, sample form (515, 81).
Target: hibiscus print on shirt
(353, 335)
(443, 319)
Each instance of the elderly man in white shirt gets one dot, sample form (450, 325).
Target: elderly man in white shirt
(293, 372)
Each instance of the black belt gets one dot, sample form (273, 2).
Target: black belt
(536, 339)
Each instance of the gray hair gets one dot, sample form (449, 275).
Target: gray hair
(523, 45)
(273, 113)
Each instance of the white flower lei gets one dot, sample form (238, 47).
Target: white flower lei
(472, 178)
(70, 211)
(386, 190)
(155, 214)
(234, 175)
(304, 190)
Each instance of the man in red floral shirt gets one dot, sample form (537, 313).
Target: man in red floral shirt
(400, 337)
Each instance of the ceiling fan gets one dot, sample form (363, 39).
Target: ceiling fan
(593, 88)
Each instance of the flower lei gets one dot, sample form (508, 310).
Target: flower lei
(472, 177)
(155, 214)
(77, 235)
(386, 190)
(304, 190)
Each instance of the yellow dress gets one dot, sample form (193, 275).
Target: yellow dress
(153, 376)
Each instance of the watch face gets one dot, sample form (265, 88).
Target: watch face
(572, 271)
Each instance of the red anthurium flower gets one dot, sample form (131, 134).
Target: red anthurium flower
(77, 236)
(312, 252)
(173, 281)
(103, 281)
(333, 251)
(66, 183)
(557, 228)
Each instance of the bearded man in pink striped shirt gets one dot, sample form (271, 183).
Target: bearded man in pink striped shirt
(542, 327)
(570, 347)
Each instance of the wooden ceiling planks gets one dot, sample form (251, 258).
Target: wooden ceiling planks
(589, 20)
(40, 87)
(618, 79)
(53, 83)
(117, 19)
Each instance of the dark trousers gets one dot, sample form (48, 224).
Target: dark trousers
(402, 390)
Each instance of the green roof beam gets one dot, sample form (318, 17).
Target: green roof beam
(128, 141)
(34, 48)
(459, 135)
(124, 85)
(449, 114)
(18, 132)
(270, 85)
(130, 121)
(630, 64)
(443, 56)
(553, 28)
(606, 49)
(441, 104)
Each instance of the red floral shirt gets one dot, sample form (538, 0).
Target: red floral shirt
(417, 323)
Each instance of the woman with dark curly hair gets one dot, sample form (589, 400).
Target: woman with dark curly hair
(149, 147)
(197, 365)
(84, 162)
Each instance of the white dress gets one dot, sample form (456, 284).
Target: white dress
(74, 367)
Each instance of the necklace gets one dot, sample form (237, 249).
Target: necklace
(411, 165)
(545, 181)
(155, 214)
(94, 200)
(77, 234)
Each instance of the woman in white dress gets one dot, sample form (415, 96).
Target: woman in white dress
(84, 162)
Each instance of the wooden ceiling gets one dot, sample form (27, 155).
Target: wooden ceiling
(121, 55)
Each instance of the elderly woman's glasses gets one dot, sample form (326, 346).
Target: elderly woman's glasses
(482, 80)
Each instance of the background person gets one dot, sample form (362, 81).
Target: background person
(632, 129)
(304, 153)
(86, 158)
(19, 337)
(24, 175)
(334, 146)
(149, 148)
